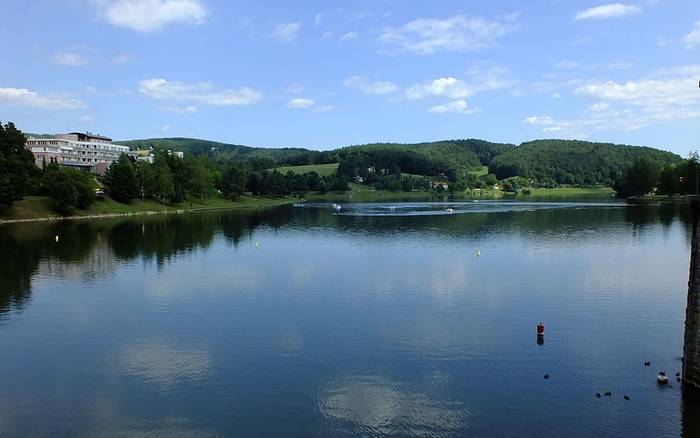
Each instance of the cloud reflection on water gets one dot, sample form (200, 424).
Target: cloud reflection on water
(377, 405)
(164, 364)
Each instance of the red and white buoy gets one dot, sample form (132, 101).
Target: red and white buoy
(540, 329)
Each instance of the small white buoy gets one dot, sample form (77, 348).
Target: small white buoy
(661, 379)
(257, 244)
(56, 238)
(478, 253)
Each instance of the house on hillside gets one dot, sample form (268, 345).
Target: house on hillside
(441, 185)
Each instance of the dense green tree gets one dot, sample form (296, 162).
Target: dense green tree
(335, 183)
(69, 188)
(669, 181)
(163, 186)
(313, 181)
(61, 188)
(121, 180)
(234, 182)
(394, 169)
(255, 183)
(639, 179)
(16, 165)
(489, 180)
(198, 178)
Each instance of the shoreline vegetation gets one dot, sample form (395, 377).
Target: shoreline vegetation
(205, 176)
(42, 208)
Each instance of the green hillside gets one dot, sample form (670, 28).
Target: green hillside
(541, 162)
(262, 157)
(575, 162)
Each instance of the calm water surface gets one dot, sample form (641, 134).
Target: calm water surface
(376, 320)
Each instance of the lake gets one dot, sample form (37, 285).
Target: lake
(375, 320)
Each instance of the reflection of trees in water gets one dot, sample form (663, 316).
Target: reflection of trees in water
(162, 237)
(22, 247)
(17, 265)
(86, 246)
(560, 225)
(90, 249)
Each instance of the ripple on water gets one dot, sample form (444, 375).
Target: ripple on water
(449, 208)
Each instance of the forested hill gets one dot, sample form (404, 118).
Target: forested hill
(450, 154)
(458, 153)
(575, 162)
(544, 162)
(260, 157)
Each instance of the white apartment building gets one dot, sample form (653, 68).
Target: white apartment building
(77, 149)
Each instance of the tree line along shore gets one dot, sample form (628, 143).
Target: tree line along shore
(217, 175)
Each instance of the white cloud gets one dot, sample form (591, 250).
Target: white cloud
(455, 90)
(693, 38)
(68, 59)
(318, 19)
(294, 89)
(86, 119)
(666, 95)
(368, 87)
(350, 36)
(325, 108)
(458, 33)
(567, 64)
(25, 97)
(190, 109)
(286, 32)
(165, 128)
(203, 92)
(449, 87)
(456, 106)
(122, 58)
(151, 15)
(618, 64)
(648, 93)
(90, 89)
(608, 11)
(477, 81)
(539, 120)
(300, 103)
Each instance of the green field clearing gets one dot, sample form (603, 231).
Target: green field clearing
(481, 171)
(321, 169)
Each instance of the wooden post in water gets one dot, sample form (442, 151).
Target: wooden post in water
(691, 344)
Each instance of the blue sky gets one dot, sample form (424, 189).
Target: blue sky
(322, 74)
